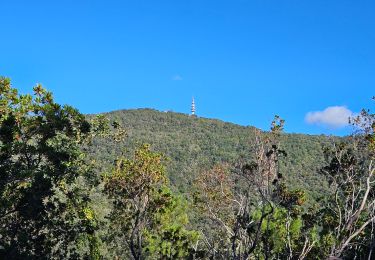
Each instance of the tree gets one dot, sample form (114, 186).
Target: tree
(349, 214)
(41, 157)
(168, 236)
(146, 217)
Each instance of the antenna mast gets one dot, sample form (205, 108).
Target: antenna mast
(193, 107)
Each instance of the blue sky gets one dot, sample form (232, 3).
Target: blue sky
(242, 60)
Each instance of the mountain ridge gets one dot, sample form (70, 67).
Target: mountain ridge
(202, 117)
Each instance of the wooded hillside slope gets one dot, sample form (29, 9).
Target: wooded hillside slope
(194, 144)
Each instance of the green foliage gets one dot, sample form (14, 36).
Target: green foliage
(168, 238)
(53, 203)
(40, 157)
(251, 194)
(198, 144)
(146, 215)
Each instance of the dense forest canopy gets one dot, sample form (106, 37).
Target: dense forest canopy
(143, 184)
(197, 144)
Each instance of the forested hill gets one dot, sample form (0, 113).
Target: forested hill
(194, 144)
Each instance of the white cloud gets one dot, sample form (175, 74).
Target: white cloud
(176, 77)
(333, 117)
